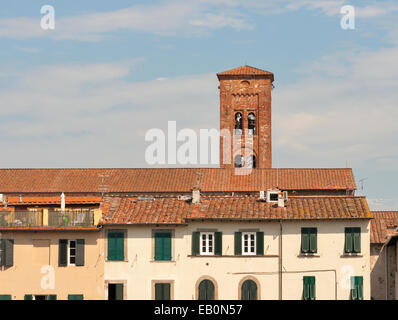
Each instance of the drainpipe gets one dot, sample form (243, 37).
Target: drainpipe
(280, 259)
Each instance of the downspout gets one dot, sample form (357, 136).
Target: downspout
(280, 259)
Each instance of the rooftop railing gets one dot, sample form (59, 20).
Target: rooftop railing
(81, 218)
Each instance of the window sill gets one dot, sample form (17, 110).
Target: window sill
(351, 255)
(116, 260)
(163, 261)
(308, 255)
(235, 256)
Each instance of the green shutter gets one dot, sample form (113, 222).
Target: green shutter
(260, 243)
(162, 291)
(306, 288)
(2, 252)
(238, 243)
(163, 246)
(206, 290)
(354, 292)
(116, 246)
(249, 290)
(195, 243)
(119, 291)
(305, 240)
(218, 243)
(312, 287)
(62, 252)
(80, 252)
(5, 297)
(348, 240)
(52, 297)
(313, 240)
(28, 297)
(360, 287)
(356, 234)
(9, 252)
(75, 297)
(167, 247)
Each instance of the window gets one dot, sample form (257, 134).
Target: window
(249, 290)
(6, 252)
(356, 288)
(5, 297)
(249, 243)
(309, 240)
(251, 161)
(309, 288)
(238, 161)
(71, 252)
(163, 246)
(206, 290)
(251, 120)
(352, 240)
(75, 297)
(162, 291)
(115, 291)
(238, 123)
(207, 243)
(116, 246)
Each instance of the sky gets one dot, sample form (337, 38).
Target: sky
(86, 93)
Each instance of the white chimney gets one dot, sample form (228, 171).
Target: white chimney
(63, 201)
(195, 196)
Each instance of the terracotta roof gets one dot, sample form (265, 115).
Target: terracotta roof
(28, 200)
(245, 70)
(173, 211)
(19, 181)
(383, 226)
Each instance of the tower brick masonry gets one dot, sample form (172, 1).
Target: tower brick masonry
(245, 111)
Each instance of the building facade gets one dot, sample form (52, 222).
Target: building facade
(242, 231)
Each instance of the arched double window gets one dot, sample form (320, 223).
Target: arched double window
(251, 161)
(251, 121)
(238, 123)
(239, 161)
(206, 290)
(249, 290)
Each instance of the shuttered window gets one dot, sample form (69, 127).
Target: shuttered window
(352, 240)
(309, 240)
(28, 297)
(75, 297)
(206, 290)
(6, 252)
(206, 243)
(71, 252)
(162, 291)
(249, 290)
(5, 297)
(309, 288)
(116, 246)
(52, 297)
(163, 246)
(356, 288)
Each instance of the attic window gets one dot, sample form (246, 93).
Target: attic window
(273, 196)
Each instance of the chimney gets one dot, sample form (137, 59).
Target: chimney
(195, 196)
(281, 200)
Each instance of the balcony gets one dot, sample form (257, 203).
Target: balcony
(82, 218)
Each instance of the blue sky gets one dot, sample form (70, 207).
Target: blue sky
(84, 94)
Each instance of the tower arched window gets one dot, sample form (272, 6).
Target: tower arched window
(238, 123)
(238, 161)
(251, 161)
(251, 120)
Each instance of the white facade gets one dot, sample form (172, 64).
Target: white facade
(330, 266)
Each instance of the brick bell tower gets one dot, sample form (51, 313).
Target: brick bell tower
(245, 111)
